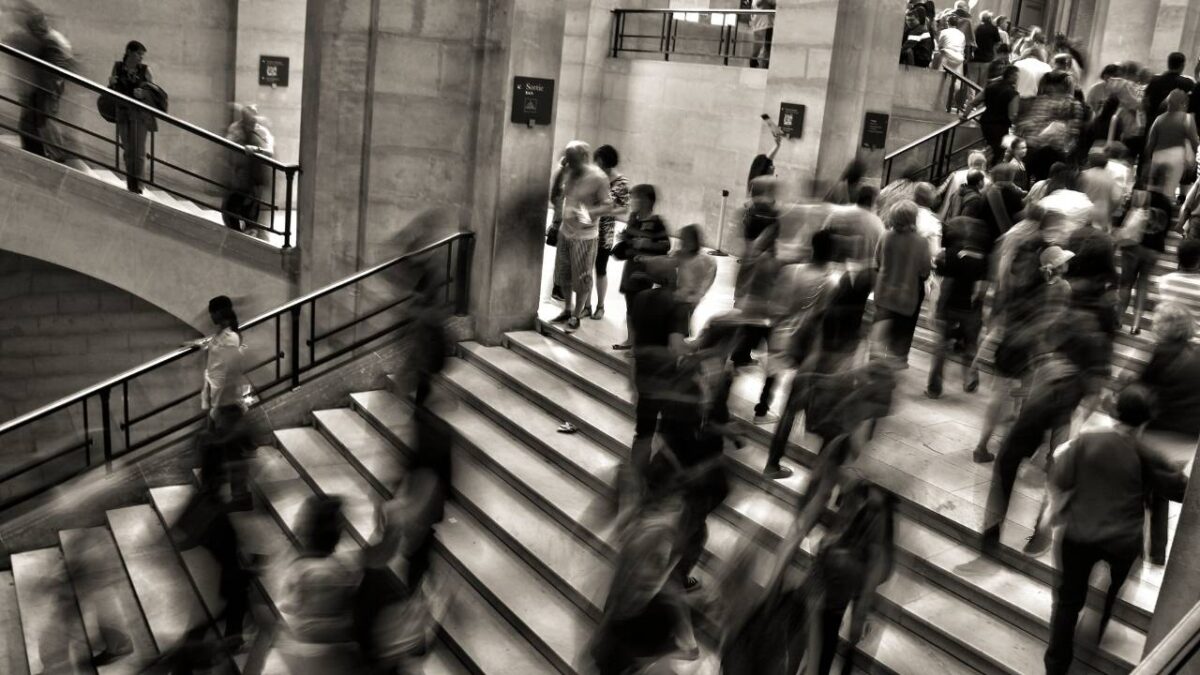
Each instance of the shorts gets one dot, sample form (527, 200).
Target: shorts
(1135, 261)
(574, 262)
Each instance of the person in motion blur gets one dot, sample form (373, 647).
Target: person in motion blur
(243, 204)
(39, 106)
(1110, 478)
(963, 265)
(586, 198)
(902, 263)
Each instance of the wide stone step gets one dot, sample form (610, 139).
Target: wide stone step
(528, 474)
(106, 596)
(1123, 647)
(163, 588)
(942, 492)
(500, 648)
(12, 639)
(55, 639)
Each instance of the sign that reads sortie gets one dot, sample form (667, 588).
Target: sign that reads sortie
(533, 100)
(273, 71)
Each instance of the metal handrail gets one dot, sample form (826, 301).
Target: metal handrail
(934, 134)
(704, 10)
(964, 80)
(148, 109)
(1175, 648)
(179, 353)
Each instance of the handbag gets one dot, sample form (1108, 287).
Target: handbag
(1133, 227)
(107, 105)
(552, 235)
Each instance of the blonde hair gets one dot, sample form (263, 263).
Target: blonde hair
(1174, 322)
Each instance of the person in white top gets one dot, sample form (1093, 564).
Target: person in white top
(224, 380)
(1030, 69)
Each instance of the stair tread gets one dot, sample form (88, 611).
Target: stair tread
(471, 624)
(55, 639)
(12, 639)
(170, 501)
(369, 447)
(1123, 644)
(103, 588)
(325, 466)
(167, 598)
(906, 473)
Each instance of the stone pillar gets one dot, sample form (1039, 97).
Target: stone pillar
(1124, 31)
(1174, 31)
(862, 77)
(512, 167)
(272, 28)
(1181, 581)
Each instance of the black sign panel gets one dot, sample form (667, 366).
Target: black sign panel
(532, 101)
(791, 119)
(273, 71)
(875, 126)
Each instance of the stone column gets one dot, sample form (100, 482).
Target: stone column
(862, 77)
(1124, 31)
(512, 167)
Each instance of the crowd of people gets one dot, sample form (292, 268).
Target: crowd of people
(1028, 261)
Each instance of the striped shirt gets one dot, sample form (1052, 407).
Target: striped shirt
(1181, 287)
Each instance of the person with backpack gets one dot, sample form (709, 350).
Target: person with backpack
(963, 265)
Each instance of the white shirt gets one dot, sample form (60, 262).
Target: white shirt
(952, 43)
(1029, 75)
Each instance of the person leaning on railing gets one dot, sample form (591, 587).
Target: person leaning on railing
(241, 207)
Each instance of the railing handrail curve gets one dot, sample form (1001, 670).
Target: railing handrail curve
(180, 352)
(151, 110)
(964, 80)
(684, 10)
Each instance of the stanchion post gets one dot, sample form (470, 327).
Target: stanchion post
(718, 250)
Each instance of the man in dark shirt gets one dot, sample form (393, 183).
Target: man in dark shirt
(962, 264)
(660, 327)
(1162, 85)
(1001, 107)
(1002, 205)
(1110, 478)
(987, 36)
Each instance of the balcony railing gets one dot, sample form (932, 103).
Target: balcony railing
(939, 152)
(179, 157)
(705, 34)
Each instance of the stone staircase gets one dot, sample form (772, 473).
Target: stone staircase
(523, 548)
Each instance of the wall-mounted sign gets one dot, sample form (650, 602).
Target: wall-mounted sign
(532, 101)
(273, 71)
(791, 120)
(875, 126)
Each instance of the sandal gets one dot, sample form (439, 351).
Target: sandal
(598, 314)
(565, 315)
(567, 428)
(573, 323)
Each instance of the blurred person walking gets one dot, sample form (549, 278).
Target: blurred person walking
(1141, 238)
(242, 206)
(1001, 110)
(586, 199)
(1109, 478)
(963, 266)
(40, 104)
(607, 159)
(902, 263)
(1171, 146)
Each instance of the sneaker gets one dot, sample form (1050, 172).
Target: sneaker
(1038, 543)
(573, 323)
(691, 584)
(765, 418)
(932, 393)
(982, 456)
(567, 428)
(598, 314)
(777, 472)
(971, 383)
(561, 317)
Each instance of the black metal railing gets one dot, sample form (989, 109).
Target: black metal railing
(716, 34)
(935, 155)
(181, 159)
(104, 421)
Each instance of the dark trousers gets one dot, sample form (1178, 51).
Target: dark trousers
(751, 337)
(1039, 161)
(831, 620)
(1049, 406)
(898, 340)
(646, 423)
(952, 326)
(132, 133)
(1078, 559)
(240, 210)
(993, 134)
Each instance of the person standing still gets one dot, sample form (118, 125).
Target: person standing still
(243, 204)
(607, 158)
(129, 77)
(586, 199)
(762, 28)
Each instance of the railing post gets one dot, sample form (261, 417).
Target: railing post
(616, 31)
(462, 276)
(152, 136)
(287, 214)
(294, 348)
(106, 423)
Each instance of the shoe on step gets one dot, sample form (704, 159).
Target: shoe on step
(561, 317)
(777, 472)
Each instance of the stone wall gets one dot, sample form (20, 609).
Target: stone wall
(272, 28)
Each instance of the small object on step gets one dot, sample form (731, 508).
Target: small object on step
(567, 428)
(691, 584)
(624, 346)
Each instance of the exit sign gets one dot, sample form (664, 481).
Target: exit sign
(273, 71)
